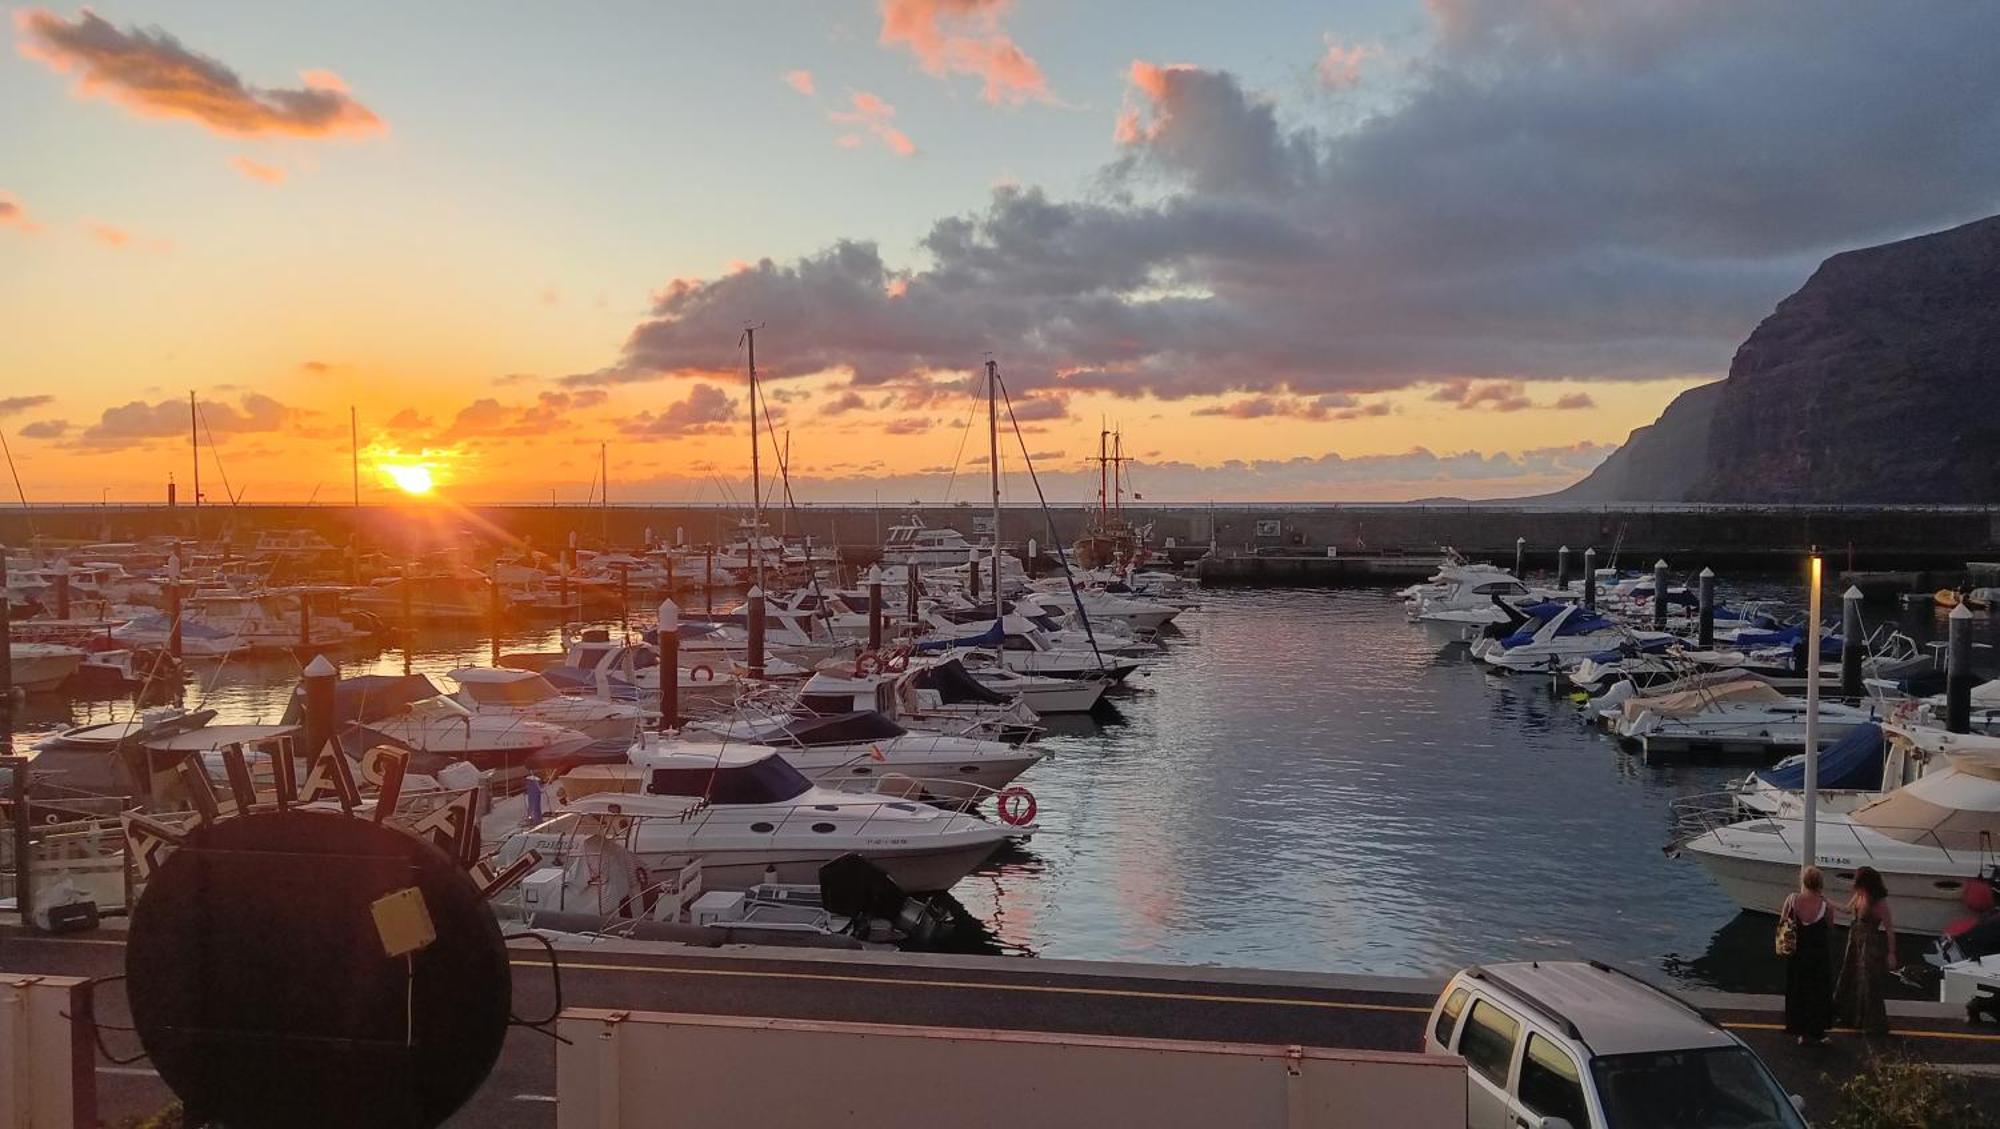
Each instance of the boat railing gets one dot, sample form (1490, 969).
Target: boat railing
(1698, 815)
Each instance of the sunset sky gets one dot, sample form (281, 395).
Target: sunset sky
(1379, 249)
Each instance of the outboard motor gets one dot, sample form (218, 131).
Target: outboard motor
(854, 887)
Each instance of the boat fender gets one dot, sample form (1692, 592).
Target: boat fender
(1016, 806)
(897, 662)
(702, 672)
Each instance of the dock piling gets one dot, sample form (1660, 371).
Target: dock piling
(912, 596)
(875, 615)
(1705, 632)
(1562, 568)
(1850, 642)
(1660, 594)
(708, 583)
(1958, 676)
(972, 575)
(1590, 578)
(6, 664)
(756, 621)
(321, 679)
(493, 610)
(1520, 557)
(305, 620)
(62, 588)
(669, 638)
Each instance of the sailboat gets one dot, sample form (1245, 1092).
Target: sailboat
(1111, 541)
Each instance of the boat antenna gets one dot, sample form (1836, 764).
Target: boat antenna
(194, 436)
(993, 461)
(1062, 557)
(604, 495)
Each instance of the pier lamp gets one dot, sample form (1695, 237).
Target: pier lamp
(1811, 828)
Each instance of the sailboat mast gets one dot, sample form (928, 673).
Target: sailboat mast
(993, 464)
(194, 437)
(354, 452)
(1103, 483)
(1118, 471)
(604, 495)
(756, 469)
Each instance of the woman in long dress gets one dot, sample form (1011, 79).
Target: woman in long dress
(1871, 956)
(1809, 969)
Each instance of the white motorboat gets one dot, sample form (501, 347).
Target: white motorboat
(914, 542)
(751, 817)
(938, 695)
(407, 711)
(1557, 636)
(1755, 719)
(271, 621)
(1027, 652)
(1041, 694)
(528, 696)
(40, 667)
(862, 745)
(1928, 839)
(154, 631)
(631, 672)
(138, 728)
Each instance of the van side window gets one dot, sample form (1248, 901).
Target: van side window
(1487, 1043)
(1454, 1004)
(1551, 1085)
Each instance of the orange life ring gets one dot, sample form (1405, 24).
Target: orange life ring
(866, 663)
(696, 672)
(1016, 806)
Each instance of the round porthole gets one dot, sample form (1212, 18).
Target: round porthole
(823, 828)
(968, 768)
(762, 828)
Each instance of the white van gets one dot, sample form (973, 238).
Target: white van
(1571, 1045)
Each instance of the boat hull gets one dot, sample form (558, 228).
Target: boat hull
(1760, 884)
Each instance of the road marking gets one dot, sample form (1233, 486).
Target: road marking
(1904, 1033)
(981, 985)
(535, 1097)
(132, 1071)
(18, 936)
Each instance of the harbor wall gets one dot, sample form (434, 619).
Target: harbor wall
(1722, 536)
(633, 1068)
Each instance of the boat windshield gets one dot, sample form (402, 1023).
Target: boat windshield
(514, 692)
(1725, 1087)
(767, 781)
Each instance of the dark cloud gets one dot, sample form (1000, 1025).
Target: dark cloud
(137, 422)
(1492, 395)
(13, 405)
(1545, 190)
(488, 418)
(148, 72)
(45, 429)
(1574, 401)
(706, 409)
(907, 425)
(848, 401)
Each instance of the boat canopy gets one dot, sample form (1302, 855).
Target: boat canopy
(1581, 621)
(855, 728)
(766, 780)
(1955, 808)
(1683, 703)
(993, 636)
(1854, 762)
(504, 687)
(954, 684)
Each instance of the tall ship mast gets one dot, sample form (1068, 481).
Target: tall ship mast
(1110, 541)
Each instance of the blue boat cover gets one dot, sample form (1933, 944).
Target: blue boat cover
(993, 636)
(1855, 761)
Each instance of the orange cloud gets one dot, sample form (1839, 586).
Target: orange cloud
(151, 74)
(110, 236)
(1339, 66)
(801, 81)
(13, 215)
(964, 37)
(257, 170)
(872, 114)
(1149, 79)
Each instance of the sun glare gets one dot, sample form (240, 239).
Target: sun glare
(409, 479)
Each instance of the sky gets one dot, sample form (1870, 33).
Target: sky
(1373, 250)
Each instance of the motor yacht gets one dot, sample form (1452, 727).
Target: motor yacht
(1040, 693)
(407, 711)
(529, 696)
(751, 817)
(271, 621)
(1557, 636)
(862, 745)
(912, 541)
(154, 631)
(939, 695)
(1927, 839)
(1751, 718)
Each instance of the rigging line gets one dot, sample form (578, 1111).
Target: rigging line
(821, 610)
(1062, 558)
(215, 453)
(22, 494)
(970, 411)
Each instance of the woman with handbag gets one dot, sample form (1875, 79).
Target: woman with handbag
(1803, 924)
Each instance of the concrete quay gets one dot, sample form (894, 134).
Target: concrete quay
(996, 993)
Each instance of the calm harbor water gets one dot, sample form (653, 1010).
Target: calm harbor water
(1301, 781)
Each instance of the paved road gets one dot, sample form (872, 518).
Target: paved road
(1013, 993)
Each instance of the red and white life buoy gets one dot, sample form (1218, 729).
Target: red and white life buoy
(702, 672)
(866, 663)
(1015, 806)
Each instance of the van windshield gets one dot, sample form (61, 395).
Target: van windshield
(1724, 1087)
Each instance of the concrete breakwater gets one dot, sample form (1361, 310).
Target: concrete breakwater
(1748, 537)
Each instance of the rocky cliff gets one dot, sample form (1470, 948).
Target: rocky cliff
(1877, 382)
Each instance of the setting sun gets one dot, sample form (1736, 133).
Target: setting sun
(409, 479)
